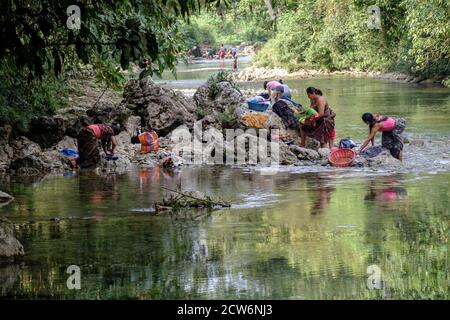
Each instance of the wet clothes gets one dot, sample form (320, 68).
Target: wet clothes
(282, 109)
(87, 144)
(323, 128)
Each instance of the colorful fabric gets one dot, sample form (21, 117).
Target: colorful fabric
(255, 120)
(101, 131)
(310, 114)
(393, 140)
(273, 84)
(388, 124)
(149, 142)
(88, 149)
(322, 128)
(282, 109)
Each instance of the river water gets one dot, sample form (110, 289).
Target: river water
(304, 233)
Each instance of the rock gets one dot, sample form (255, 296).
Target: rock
(287, 157)
(124, 147)
(6, 151)
(132, 124)
(67, 143)
(147, 160)
(121, 165)
(46, 131)
(311, 143)
(161, 109)
(225, 99)
(10, 247)
(8, 276)
(304, 153)
(74, 119)
(23, 147)
(44, 162)
(324, 153)
(384, 159)
(106, 112)
(5, 198)
(258, 73)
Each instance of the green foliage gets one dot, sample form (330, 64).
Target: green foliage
(37, 47)
(243, 21)
(20, 100)
(227, 118)
(414, 37)
(214, 81)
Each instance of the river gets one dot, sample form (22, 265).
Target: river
(304, 233)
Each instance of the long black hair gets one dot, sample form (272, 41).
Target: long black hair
(369, 118)
(312, 90)
(265, 84)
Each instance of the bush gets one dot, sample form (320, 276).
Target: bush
(21, 100)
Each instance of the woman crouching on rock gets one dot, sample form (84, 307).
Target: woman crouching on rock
(89, 155)
(322, 128)
(391, 129)
(285, 110)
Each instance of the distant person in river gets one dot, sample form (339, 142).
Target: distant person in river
(235, 64)
(323, 127)
(147, 139)
(89, 154)
(222, 52)
(391, 128)
(234, 52)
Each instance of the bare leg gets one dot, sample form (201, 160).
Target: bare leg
(302, 138)
(331, 143)
(400, 155)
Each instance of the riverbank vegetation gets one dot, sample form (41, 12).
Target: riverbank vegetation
(42, 48)
(40, 54)
(412, 37)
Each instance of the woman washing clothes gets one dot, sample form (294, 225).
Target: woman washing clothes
(284, 109)
(391, 129)
(322, 127)
(287, 95)
(89, 155)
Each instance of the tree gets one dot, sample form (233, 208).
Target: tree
(34, 34)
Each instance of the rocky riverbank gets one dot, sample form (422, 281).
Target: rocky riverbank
(255, 73)
(216, 105)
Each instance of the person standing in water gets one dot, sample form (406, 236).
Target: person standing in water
(391, 129)
(89, 154)
(323, 127)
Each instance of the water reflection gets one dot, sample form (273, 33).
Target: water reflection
(288, 236)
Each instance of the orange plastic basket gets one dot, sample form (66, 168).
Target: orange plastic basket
(342, 157)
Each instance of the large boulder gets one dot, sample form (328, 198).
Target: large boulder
(24, 147)
(10, 247)
(161, 109)
(29, 158)
(106, 112)
(46, 131)
(74, 119)
(220, 97)
(5, 198)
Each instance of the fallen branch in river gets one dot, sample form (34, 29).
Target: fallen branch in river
(185, 200)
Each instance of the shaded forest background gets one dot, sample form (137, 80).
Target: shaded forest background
(40, 55)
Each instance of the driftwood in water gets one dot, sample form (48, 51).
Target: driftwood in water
(176, 200)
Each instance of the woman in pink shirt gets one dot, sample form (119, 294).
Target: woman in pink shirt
(391, 129)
